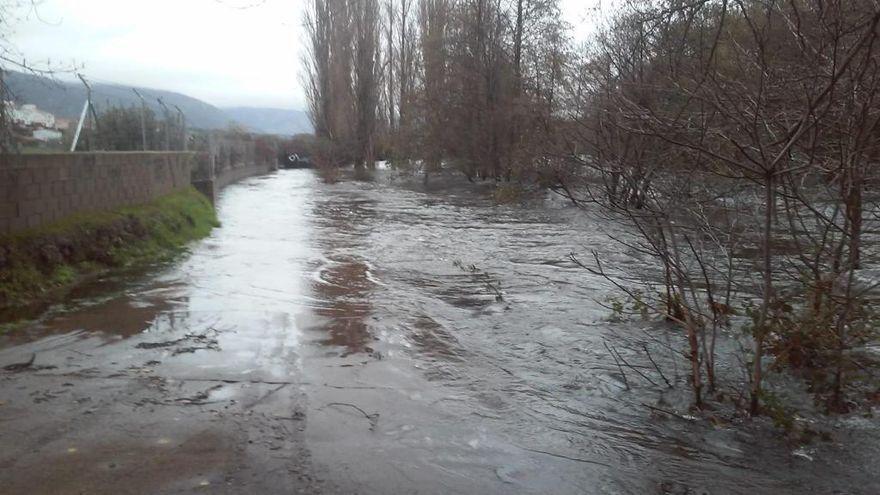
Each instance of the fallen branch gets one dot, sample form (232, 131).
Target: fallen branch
(656, 367)
(372, 418)
(619, 367)
(16, 367)
(562, 456)
(646, 377)
(666, 411)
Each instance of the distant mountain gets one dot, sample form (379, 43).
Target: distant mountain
(65, 99)
(272, 120)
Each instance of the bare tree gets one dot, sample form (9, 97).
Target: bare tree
(343, 78)
(691, 110)
(12, 59)
(366, 78)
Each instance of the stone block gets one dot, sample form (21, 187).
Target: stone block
(17, 223)
(31, 207)
(32, 191)
(34, 221)
(8, 210)
(24, 177)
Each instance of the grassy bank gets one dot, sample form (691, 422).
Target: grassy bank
(36, 263)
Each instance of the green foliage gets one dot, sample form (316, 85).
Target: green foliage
(785, 418)
(806, 338)
(635, 303)
(120, 130)
(64, 274)
(33, 263)
(775, 409)
(640, 305)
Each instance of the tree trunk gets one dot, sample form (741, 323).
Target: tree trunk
(760, 326)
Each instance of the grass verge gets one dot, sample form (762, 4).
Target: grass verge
(39, 262)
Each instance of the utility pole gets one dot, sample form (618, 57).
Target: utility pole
(182, 118)
(166, 113)
(85, 112)
(143, 120)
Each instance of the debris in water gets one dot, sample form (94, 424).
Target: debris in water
(505, 474)
(208, 343)
(200, 398)
(16, 367)
(803, 454)
(372, 418)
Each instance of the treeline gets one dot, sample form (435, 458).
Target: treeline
(474, 83)
(740, 140)
(134, 128)
(140, 129)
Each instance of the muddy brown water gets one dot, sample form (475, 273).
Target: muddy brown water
(348, 338)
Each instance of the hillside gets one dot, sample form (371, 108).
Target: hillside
(272, 120)
(65, 99)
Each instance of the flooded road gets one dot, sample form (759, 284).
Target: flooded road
(376, 337)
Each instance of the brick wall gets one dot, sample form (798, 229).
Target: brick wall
(230, 175)
(36, 189)
(210, 179)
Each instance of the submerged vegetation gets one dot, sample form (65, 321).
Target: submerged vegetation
(36, 262)
(736, 141)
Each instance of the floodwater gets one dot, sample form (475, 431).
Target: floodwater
(380, 337)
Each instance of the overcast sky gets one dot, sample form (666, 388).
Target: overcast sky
(226, 52)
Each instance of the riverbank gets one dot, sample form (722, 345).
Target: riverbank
(42, 263)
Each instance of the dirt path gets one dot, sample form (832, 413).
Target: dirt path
(184, 379)
(88, 417)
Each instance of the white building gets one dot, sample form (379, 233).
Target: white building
(47, 135)
(29, 115)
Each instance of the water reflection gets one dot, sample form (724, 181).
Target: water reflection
(433, 340)
(344, 291)
(110, 311)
